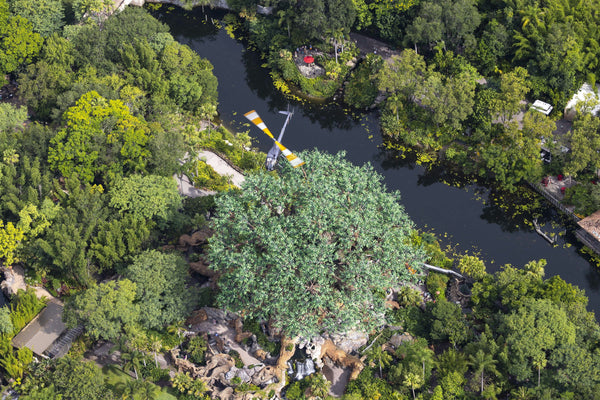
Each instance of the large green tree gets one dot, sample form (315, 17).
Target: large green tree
(107, 311)
(65, 378)
(101, 136)
(162, 290)
(146, 196)
(46, 16)
(532, 332)
(313, 248)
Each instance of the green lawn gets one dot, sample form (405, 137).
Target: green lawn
(115, 375)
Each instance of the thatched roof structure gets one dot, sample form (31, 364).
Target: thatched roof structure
(591, 225)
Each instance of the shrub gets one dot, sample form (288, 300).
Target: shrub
(196, 347)
(436, 285)
(252, 325)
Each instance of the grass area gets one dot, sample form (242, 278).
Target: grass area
(115, 375)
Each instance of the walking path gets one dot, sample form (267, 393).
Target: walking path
(220, 166)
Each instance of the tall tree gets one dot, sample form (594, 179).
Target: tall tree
(101, 137)
(18, 43)
(514, 87)
(46, 16)
(106, 311)
(403, 74)
(311, 247)
(533, 332)
(161, 288)
(146, 196)
(482, 361)
(584, 140)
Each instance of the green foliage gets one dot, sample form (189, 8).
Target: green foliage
(161, 288)
(361, 90)
(101, 138)
(6, 325)
(195, 348)
(585, 198)
(46, 16)
(408, 296)
(24, 307)
(146, 196)
(533, 332)
(107, 311)
(507, 288)
(11, 117)
(436, 285)
(252, 325)
(472, 266)
(71, 379)
(10, 238)
(448, 323)
(18, 43)
(319, 235)
(204, 176)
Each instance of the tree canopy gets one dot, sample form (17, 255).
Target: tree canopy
(314, 248)
(161, 287)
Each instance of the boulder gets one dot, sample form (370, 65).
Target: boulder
(396, 339)
(350, 341)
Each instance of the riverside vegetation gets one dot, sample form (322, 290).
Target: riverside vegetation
(109, 108)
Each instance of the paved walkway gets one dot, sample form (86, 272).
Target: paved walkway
(221, 166)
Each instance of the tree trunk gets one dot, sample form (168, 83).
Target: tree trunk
(155, 360)
(136, 374)
(335, 47)
(481, 381)
(539, 375)
(413, 391)
(380, 371)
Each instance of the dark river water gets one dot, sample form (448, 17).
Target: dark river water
(464, 217)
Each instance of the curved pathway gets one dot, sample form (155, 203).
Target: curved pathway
(220, 166)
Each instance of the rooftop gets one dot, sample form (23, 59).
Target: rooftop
(591, 224)
(43, 330)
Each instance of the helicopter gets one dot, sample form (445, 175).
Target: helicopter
(278, 148)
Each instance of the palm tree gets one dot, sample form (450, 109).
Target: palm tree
(413, 381)
(451, 361)
(128, 388)
(132, 361)
(417, 352)
(285, 18)
(539, 362)
(176, 328)
(521, 393)
(155, 346)
(482, 361)
(148, 391)
(383, 357)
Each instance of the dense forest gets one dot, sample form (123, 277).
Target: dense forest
(101, 110)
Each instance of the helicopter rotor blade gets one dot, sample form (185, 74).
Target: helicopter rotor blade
(293, 159)
(257, 120)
